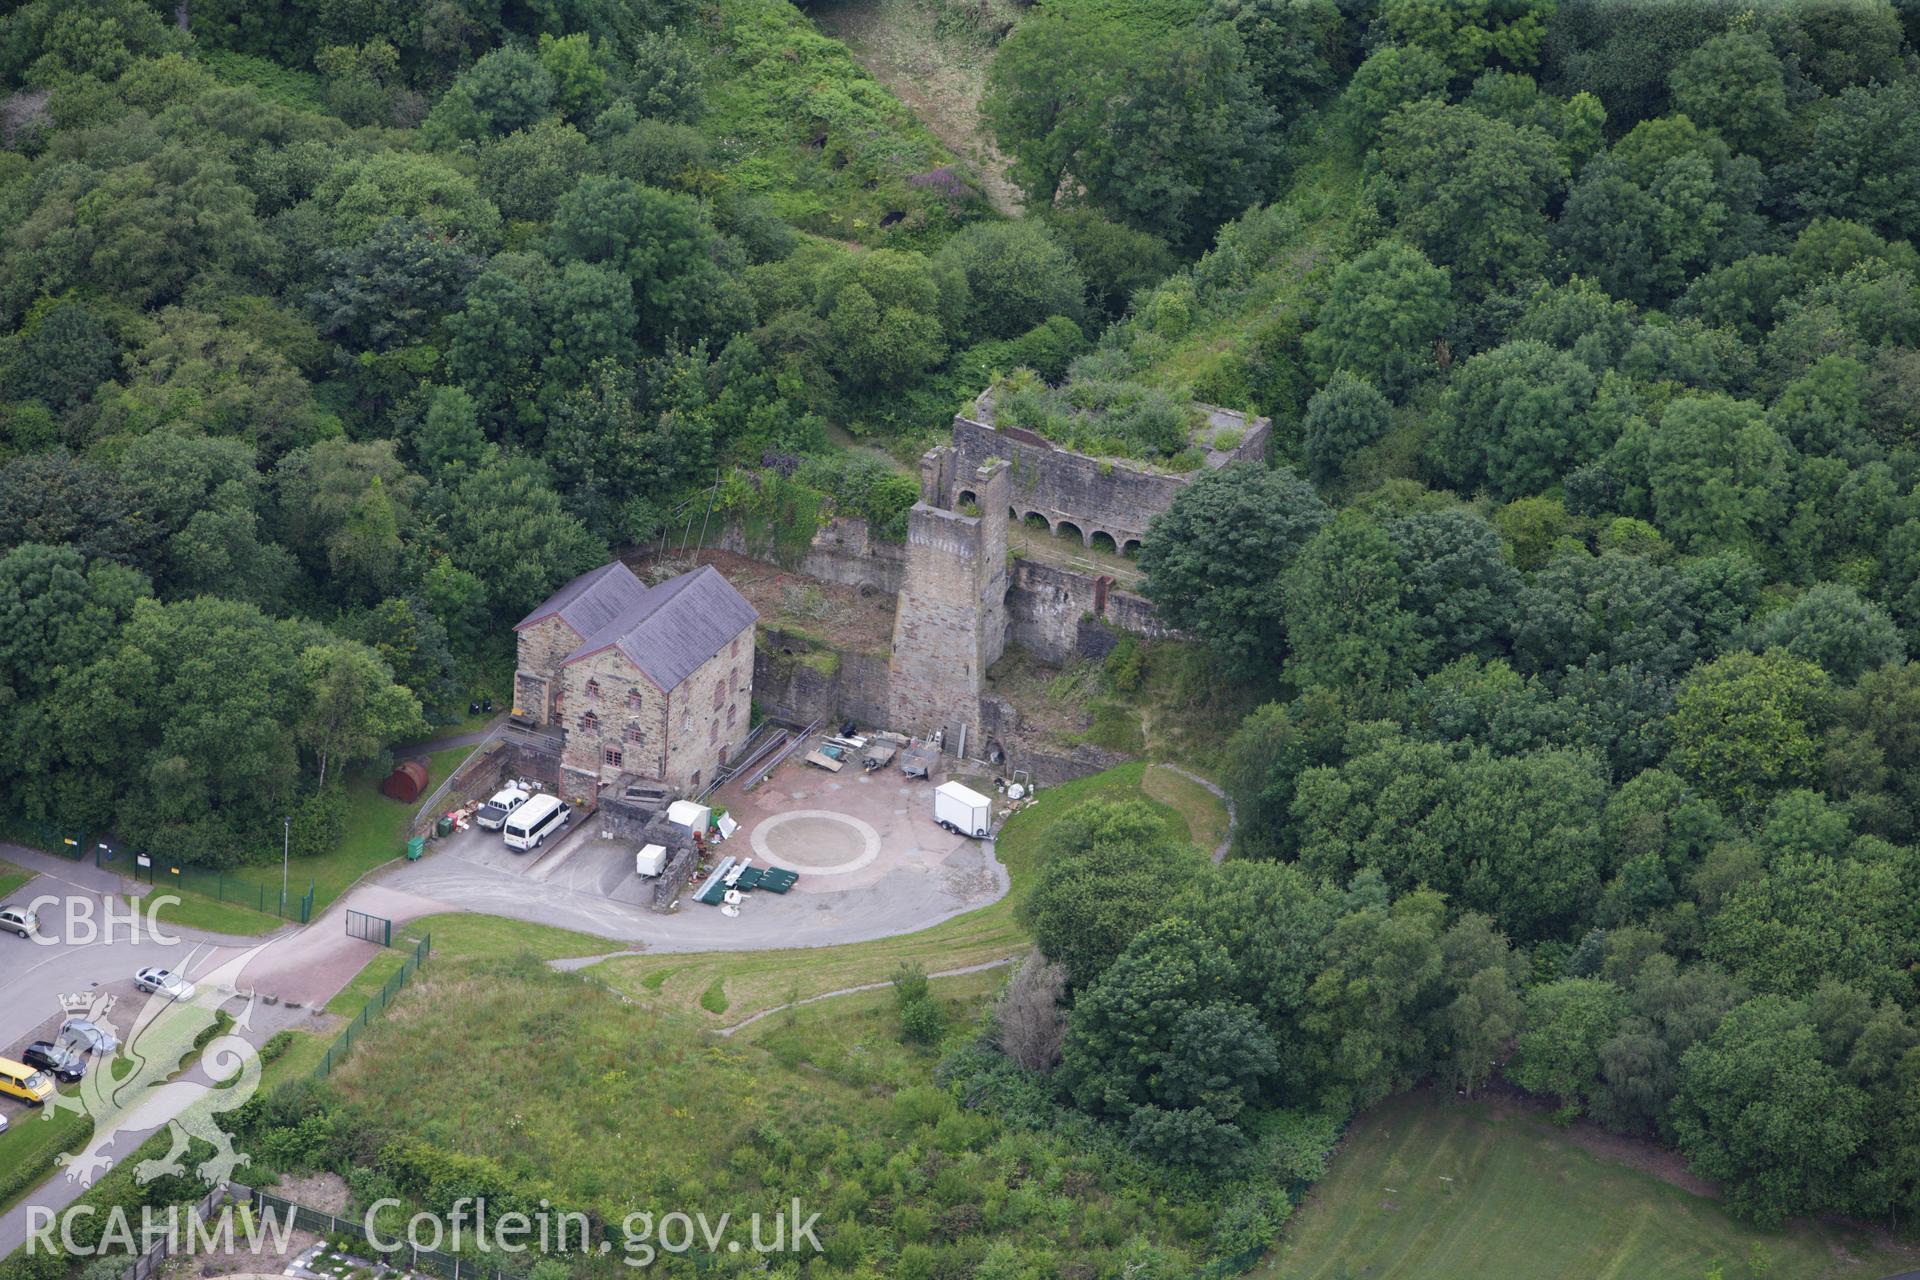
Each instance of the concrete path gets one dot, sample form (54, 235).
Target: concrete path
(1002, 962)
(1233, 818)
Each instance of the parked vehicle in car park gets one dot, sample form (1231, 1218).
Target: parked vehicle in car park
(164, 982)
(493, 814)
(87, 1036)
(29, 1084)
(63, 1062)
(528, 826)
(19, 920)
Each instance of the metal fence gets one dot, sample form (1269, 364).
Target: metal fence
(222, 887)
(343, 1045)
(328, 1225)
(149, 1262)
(74, 843)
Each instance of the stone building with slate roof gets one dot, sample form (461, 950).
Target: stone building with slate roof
(646, 684)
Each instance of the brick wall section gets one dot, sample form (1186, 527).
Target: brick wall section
(951, 621)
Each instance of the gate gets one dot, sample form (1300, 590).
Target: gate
(371, 928)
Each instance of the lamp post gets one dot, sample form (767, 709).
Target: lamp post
(286, 846)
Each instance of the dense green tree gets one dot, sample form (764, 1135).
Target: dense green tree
(1115, 260)
(1292, 46)
(1567, 1022)
(352, 709)
(59, 356)
(1345, 416)
(391, 289)
(1383, 314)
(1216, 558)
(1269, 751)
(508, 528)
(1813, 916)
(1158, 1041)
(666, 78)
(1734, 85)
(508, 89)
(1468, 35)
(1017, 276)
(1618, 609)
(1513, 421)
(1346, 627)
(1832, 626)
(1392, 77)
(1470, 192)
(660, 241)
(1744, 726)
(364, 192)
(1456, 582)
(1761, 1112)
(55, 611)
(1367, 1030)
(1186, 145)
(1110, 870)
(344, 509)
(1046, 97)
(1863, 162)
(1717, 473)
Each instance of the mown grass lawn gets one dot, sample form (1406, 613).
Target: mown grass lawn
(194, 911)
(11, 878)
(28, 1148)
(753, 981)
(1429, 1188)
(1199, 808)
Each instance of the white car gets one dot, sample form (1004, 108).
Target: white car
(493, 814)
(19, 920)
(164, 982)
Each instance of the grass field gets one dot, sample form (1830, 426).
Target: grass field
(1427, 1188)
(1199, 808)
(194, 911)
(11, 878)
(744, 983)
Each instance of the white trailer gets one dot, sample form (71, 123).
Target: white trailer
(650, 861)
(960, 809)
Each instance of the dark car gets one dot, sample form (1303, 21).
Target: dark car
(64, 1063)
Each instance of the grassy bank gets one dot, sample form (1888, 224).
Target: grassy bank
(11, 878)
(1428, 1188)
(193, 911)
(375, 834)
(752, 981)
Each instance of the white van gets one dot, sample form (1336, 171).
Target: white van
(534, 821)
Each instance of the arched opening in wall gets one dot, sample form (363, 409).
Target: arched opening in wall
(1013, 513)
(1130, 548)
(1038, 523)
(1103, 541)
(966, 498)
(1068, 529)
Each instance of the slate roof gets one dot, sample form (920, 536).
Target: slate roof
(672, 628)
(591, 601)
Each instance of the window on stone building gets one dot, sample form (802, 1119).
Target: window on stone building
(613, 756)
(589, 722)
(633, 733)
(695, 780)
(730, 711)
(713, 732)
(734, 651)
(593, 688)
(719, 695)
(633, 699)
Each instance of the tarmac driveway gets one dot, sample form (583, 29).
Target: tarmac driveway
(872, 864)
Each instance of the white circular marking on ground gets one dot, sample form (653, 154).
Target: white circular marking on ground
(828, 832)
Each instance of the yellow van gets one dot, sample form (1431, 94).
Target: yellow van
(18, 1080)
